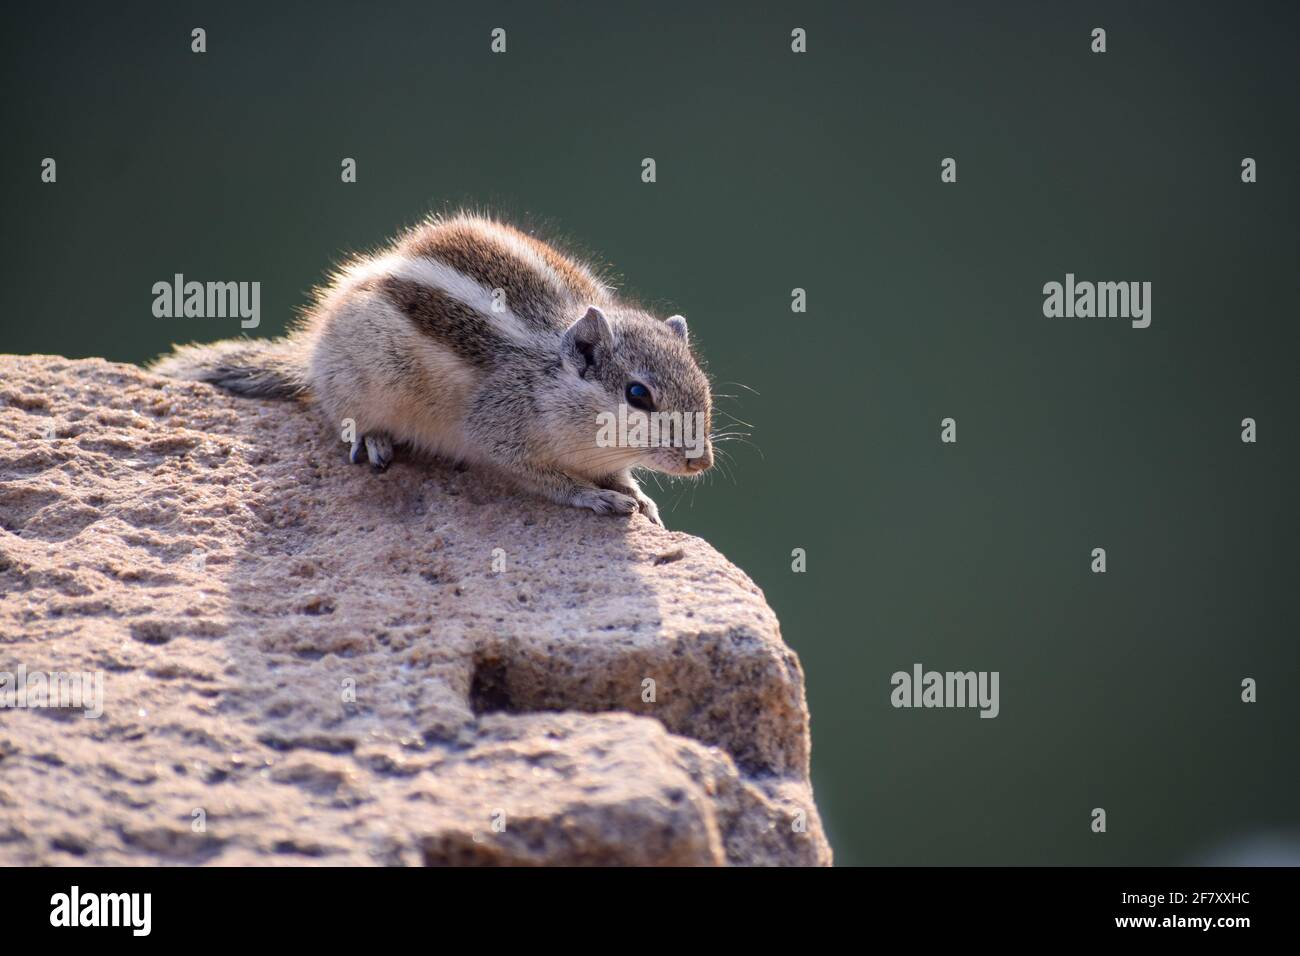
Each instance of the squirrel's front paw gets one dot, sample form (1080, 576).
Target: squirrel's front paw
(605, 502)
(643, 501)
(377, 448)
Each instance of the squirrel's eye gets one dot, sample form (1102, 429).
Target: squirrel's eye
(638, 396)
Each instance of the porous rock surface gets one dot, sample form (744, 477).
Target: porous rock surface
(306, 662)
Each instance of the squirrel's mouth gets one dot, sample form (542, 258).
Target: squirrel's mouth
(675, 461)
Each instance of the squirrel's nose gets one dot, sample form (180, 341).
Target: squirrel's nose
(701, 462)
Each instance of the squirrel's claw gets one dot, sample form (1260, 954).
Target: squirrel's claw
(649, 509)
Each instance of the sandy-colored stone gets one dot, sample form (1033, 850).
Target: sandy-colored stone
(233, 577)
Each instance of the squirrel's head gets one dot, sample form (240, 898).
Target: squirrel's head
(641, 390)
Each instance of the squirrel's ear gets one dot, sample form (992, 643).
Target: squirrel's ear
(678, 324)
(583, 336)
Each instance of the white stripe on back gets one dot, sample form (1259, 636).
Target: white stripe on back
(439, 275)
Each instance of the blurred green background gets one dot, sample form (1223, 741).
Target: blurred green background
(818, 171)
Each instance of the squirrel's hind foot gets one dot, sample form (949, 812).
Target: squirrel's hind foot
(376, 448)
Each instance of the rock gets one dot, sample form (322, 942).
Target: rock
(304, 661)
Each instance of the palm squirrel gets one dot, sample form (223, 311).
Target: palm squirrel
(469, 339)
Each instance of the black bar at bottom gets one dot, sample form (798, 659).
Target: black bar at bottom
(334, 905)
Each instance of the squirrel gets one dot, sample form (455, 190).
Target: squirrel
(471, 340)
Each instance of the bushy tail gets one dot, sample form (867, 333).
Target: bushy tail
(262, 368)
